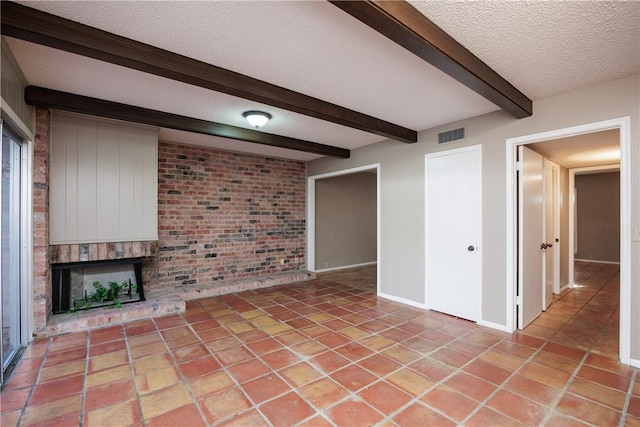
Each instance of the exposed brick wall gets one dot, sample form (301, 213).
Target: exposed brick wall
(224, 215)
(41, 270)
(221, 216)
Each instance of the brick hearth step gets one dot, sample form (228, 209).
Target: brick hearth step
(162, 302)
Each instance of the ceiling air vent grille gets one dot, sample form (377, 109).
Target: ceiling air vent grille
(451, 135)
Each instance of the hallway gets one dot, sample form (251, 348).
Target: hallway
(586, 316)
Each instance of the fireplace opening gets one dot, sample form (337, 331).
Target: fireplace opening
(92, 284)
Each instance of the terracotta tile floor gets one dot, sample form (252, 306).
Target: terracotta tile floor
(586, 316)
(324, 352)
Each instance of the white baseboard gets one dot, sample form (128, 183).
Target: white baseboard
(597, 261)
(492, 325)
(635, 363)
(402, 300)
(562, 289)
(345, 267)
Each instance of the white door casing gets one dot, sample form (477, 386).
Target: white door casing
(453, 231)
(624, 125)
(551, 258)
(531, 235)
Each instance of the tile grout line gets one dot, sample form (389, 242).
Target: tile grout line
(603, 331)
(258, 407)
(143, 420)
(177, 366)
(224, 369)
(627, 400)
(83, 400)
(583, 305)
(483, 403)
(351, 395)
(35, 381)
(184, 380)
(565, 389)
(575, 315)
(307, 359)
(417, 398)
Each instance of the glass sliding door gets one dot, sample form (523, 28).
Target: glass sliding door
(10, 251)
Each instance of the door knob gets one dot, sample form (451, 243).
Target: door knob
(546, 245)
(471, 248)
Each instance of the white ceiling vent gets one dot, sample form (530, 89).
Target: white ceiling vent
(452, 135)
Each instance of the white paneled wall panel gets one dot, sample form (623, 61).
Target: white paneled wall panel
(104, 180)
(108, 173)
(126, 192)
(87, 165)
(72, 179)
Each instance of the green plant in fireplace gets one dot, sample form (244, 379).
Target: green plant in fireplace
(103, 294)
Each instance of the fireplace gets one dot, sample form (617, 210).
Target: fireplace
(86, 285)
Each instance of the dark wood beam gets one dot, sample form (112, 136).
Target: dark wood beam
(32, 25)
(49, 98)
(405, 25)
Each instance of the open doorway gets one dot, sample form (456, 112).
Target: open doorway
(569, 140)
(586, 314)
(343, 211)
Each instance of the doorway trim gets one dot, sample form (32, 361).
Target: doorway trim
(556, 226)
(624, 125)
(311, 214)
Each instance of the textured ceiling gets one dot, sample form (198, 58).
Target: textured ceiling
(591, 149)
(543, 48)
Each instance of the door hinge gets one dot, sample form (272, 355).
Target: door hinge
(519, 300)
(518, 165)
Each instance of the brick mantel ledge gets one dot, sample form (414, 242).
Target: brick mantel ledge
(79, 252)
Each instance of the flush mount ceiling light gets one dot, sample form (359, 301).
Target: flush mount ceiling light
(256, 118)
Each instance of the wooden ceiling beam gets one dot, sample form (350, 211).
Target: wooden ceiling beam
(405, 25)
(65, 101)
(39, 27)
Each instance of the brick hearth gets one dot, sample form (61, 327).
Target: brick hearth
(161, 302)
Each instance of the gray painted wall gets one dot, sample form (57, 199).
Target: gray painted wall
(598, 216)
(13, 84)
(402, 253)
(346, 220)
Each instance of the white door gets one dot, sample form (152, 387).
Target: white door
(550, 232)
(453, 231)
(530, 235)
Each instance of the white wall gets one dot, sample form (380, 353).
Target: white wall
(402, 190)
